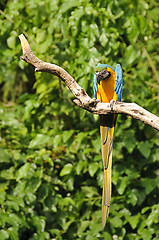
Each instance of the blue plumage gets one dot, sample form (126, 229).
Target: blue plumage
(119, 82)
(95, 86)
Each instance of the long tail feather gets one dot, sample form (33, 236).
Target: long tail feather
(106, 193)
(107, 132)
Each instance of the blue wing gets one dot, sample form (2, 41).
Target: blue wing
(95, 86)
(119, 82)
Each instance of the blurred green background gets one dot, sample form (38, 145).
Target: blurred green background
(50, 161)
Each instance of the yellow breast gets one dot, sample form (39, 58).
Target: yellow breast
(106, 89)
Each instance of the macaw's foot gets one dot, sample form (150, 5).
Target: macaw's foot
(112, 104)
(94, 101)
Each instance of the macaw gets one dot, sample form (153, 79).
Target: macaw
(107, 88)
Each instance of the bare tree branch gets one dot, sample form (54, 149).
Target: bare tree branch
(82, 98)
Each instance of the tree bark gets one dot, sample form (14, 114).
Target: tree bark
(82, 98)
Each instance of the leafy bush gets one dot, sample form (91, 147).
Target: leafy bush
(51, 167)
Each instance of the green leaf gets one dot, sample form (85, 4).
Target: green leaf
(134, 220)
(13, 233)
(90, 191)
(83, 226)
(131, 55)
(23, 171)
(4, 155)
(116, 222)
(11, 41)
(14, 220)
(70, 183)
(129, 140)
(103, 39)
(92, 168)
(3, 193)
(132, 199)
(43, 192)
(122, 184)
(145, 209)
(149, 184)
(46, 44)
(147, 233)
(40, 223)
(156, 141)
(79, 138)
(39, 141)
(4, 234)
(41, 35)
(29, 196)
(145, 148)
(153, 217)
(13, 205)
(80, 165)
(133, 30)
(66, 170)
(67, 135)
(8, 174)
(68, 5)
(57, 141)
(107, 236)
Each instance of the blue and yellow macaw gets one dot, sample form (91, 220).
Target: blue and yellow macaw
(107, 88)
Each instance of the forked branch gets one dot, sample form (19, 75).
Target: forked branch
(82, 98)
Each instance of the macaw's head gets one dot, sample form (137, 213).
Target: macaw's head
(102, 75)
(102, 72)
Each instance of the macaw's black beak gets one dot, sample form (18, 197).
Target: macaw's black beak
(102, 75)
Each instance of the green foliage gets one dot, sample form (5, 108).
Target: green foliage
(51, 169)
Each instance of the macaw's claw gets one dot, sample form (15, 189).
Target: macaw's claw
(94, 101)
(112, 104)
